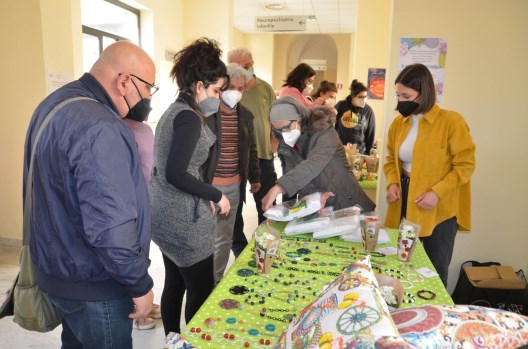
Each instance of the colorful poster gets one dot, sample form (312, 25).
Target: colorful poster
(429, 51)
(376, 83)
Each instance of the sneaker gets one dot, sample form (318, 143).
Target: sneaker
(156, 312)
(145, 323)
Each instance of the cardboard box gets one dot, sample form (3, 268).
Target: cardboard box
(501, 277)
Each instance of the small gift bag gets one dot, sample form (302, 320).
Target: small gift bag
(267, 240)
(407, 238)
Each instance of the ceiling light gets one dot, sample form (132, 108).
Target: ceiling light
(274, 6)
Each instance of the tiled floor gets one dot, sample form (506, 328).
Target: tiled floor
(12, 336)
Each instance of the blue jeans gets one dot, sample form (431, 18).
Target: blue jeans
(95, 325)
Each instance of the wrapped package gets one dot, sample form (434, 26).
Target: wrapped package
(344, 221)
(290, 210)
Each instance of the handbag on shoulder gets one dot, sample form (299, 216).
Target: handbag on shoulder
(30, 306)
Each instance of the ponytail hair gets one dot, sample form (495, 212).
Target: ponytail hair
(356, 88)
(324, 86)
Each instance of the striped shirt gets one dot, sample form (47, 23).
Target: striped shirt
(227, 169)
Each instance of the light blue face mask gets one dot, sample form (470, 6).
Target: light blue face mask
(210, 105)
(250, 73)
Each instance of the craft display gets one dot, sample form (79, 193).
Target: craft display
(289, 210)
(251, 310)
(350, 313)
(363, 167)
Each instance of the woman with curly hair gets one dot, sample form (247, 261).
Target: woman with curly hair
(184, 206)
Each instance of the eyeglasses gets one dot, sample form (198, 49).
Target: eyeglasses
(153, 88)
(286, 128)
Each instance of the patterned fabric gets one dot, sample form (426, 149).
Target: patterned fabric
(351, 313)
(461, 326)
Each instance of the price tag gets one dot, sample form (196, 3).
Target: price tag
(428, 273)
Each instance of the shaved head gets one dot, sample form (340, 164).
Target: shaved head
(121, 57)
(113, 68)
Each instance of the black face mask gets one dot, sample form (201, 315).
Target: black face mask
(406, 108)
(141, 110)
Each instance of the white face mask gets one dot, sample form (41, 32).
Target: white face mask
(360, 102)
(291, 137)
(330, 102)
(307, 90)
(231, 97)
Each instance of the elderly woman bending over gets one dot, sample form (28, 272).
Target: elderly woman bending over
(314, 157)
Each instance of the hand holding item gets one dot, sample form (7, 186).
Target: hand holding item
(267, 200)
(393, 193)
(427, 201)
(325, 196)
(255, 188)
(142, 305)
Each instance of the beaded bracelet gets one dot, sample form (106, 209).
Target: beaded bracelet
(389, 271)
(426, 295)
(248, 300)
(377, 270)
(411, 296)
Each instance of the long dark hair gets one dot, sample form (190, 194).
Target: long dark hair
(198, 61)
(297, 76)
(419, 78)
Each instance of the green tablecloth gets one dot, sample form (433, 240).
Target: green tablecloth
(368, 184)
(291, 286)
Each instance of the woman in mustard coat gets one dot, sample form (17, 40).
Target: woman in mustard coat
(430, 159)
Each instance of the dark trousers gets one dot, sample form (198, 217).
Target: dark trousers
(239, 238)
(440, 244)
(197, 280)
(268, 177)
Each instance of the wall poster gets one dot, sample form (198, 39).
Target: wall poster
(429, 51)
(376, 83)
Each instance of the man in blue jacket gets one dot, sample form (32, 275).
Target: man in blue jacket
(90, 219)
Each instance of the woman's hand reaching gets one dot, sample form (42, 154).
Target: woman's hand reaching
(271, 195)
(325, 196)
